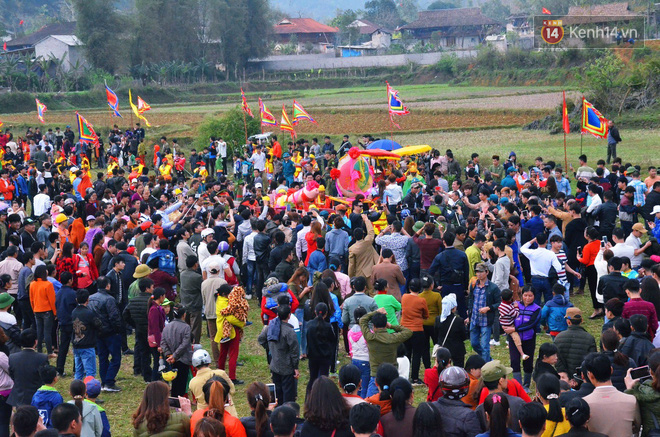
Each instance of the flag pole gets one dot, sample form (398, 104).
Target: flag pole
(565, 154)
(581, 137)
(245, 125)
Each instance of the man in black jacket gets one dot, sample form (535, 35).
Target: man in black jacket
(136, 315)
(607, 215)
(109, 342)
(65, 301)
(452, 268)
(612, 284)
(262, 252)
(613, 138)
(24, 370)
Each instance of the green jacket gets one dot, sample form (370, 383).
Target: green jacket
(648, 400)
(382, 344)
(178, 425)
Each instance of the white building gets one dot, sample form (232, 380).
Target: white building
(66, 47)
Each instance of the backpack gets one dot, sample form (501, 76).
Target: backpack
(272, 296)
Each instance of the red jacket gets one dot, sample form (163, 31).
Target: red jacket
(7, 188)
(271, 314)
(513, 389)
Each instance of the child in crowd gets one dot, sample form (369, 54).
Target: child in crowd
(553, 314)
(92, 425)
(47, 397)
(508, 314)
(93, 387)
(238, 307)
(402, 362)
(637, 346)
(359, 350)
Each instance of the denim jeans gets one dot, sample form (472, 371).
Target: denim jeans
(251, 276)
(44, 327)
(543, 288)
(373, 388)
(85, 362)
(109, 367)
(365, 371)
(300, 315)
(480, 340)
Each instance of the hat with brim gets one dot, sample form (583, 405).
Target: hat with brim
(573, 314)
(166, 302)
(494, 371)
(435, 210)
(656, 209)
(418, 225)
(6, 300)
(141, 271)
(639, 228)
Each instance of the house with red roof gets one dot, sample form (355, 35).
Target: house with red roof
(308, 34)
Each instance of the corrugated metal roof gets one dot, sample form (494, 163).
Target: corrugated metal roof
(449, 18)
(50, 29)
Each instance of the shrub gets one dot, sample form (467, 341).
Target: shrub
(230, 127)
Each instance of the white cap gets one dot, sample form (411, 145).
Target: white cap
(206, 232)
(69, 201)
(258, 185)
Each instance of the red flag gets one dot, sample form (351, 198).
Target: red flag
(4, 46)
(20, 23)
(564, 118)
(546, 11)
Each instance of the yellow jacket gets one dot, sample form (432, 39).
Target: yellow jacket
(220, 304)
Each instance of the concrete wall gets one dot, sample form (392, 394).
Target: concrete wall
(56, 48)
(328, 61)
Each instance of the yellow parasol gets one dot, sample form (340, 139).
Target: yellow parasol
(413, 150)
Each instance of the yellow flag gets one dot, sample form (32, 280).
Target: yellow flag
(135, 110)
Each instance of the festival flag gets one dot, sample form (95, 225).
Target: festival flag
(593, 121)
(566, 124)
(1, 123)
(4, 46)
(267, 117)
(285, 124)
(136, 111)
(41, 109)
(395, 104)
(113, 101)
(20, 23)
(142, 105)
(245, 107)
(546, 11)
(300, 114)
(86, 131)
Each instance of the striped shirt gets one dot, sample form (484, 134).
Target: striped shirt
(561, 274)
(508, 313)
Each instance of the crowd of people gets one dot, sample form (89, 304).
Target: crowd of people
(145, 258)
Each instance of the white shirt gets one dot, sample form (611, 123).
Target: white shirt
(623, 249)
(248, 248)
(217, 259)
(222, 149)
(41, 204)
(259, 161)
(301, 242)
(635, 243)
(540, 260)
(395, 194)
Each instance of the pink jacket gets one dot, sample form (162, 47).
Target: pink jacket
(357, 344)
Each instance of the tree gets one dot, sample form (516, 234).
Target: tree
(382, 12)
(231, 128)
(441, 4)
(408, 10)
(98, 25)
(233, 28)
(347, 35)
(166, 30)
(496, 10)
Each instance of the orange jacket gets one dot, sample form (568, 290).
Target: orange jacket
(589, 253)
(42, 296)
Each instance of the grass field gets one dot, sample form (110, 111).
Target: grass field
(120, 406)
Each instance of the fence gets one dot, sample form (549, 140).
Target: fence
(328, 61)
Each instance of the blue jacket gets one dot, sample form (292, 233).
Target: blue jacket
(317, 263)
(534, 225)
(21, 186)
(65, 302)
(166, 260)
(553, 313)
(44, 400)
